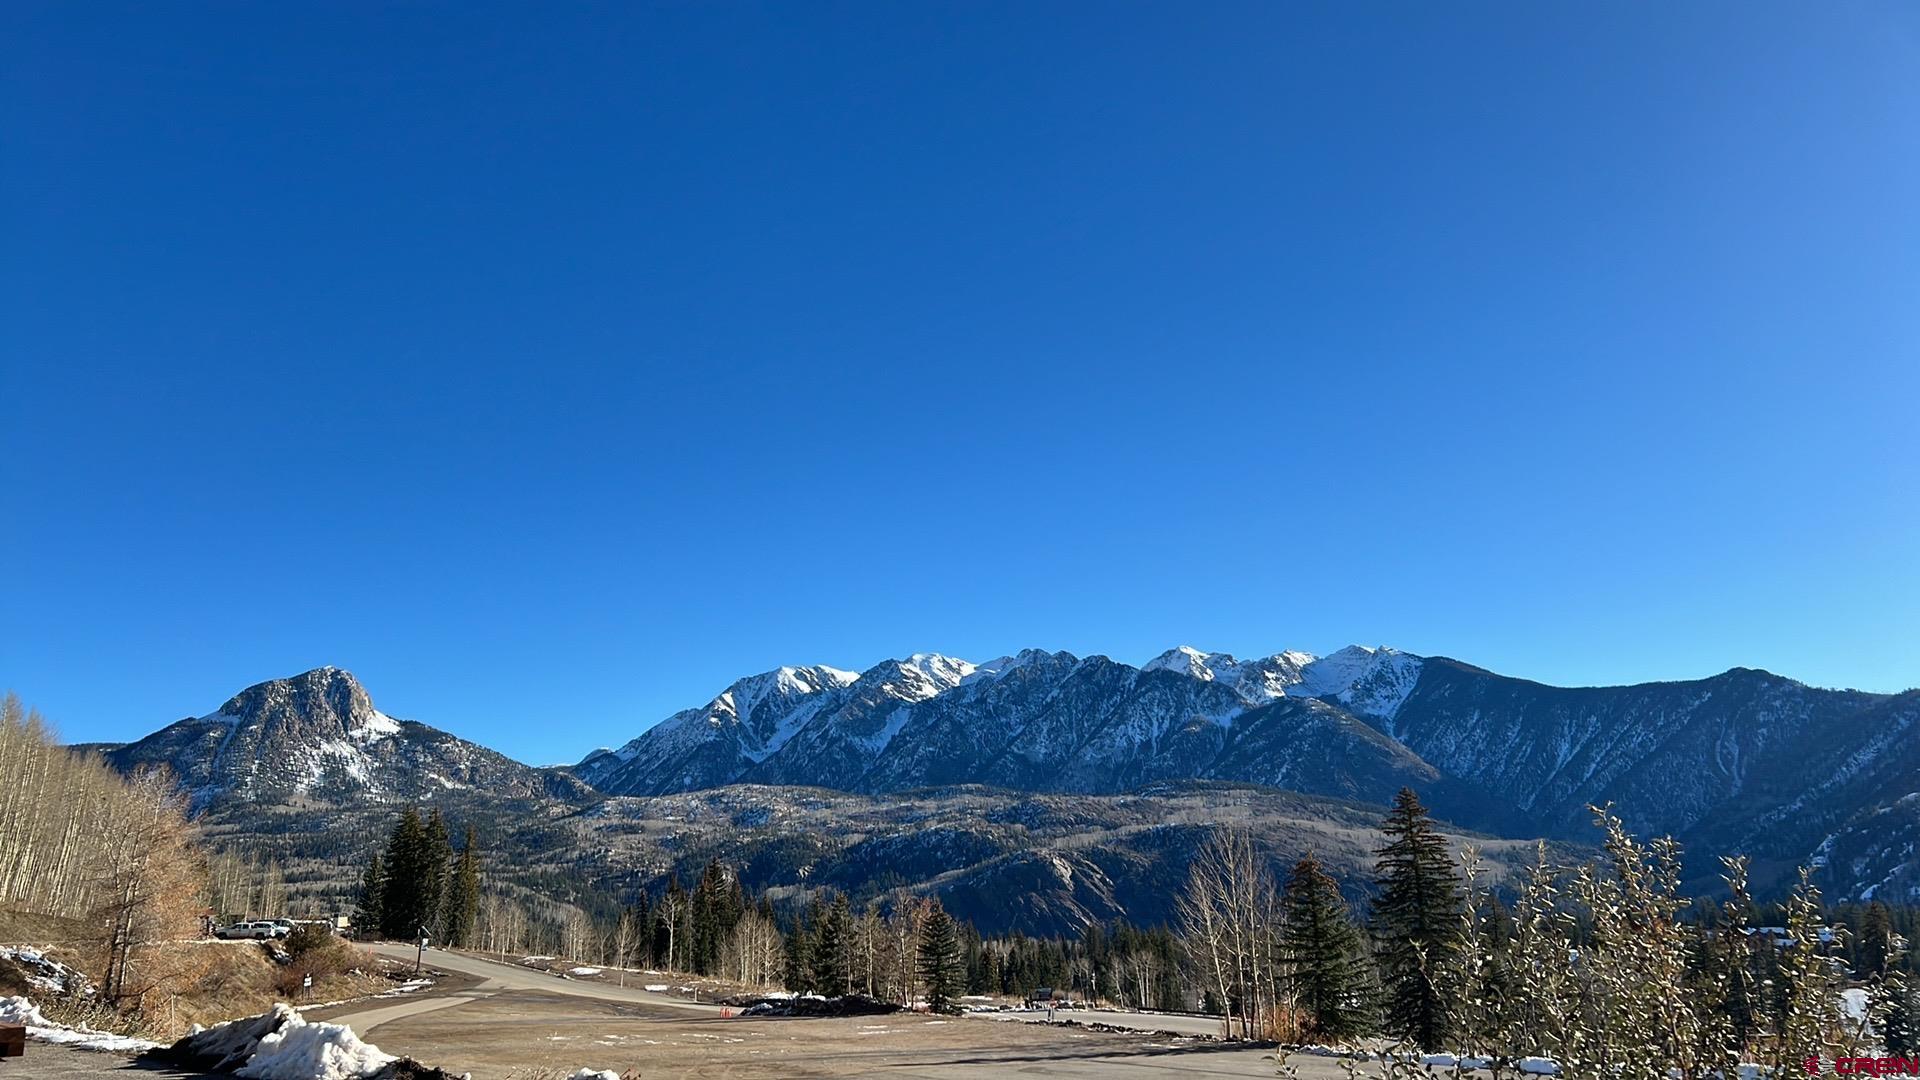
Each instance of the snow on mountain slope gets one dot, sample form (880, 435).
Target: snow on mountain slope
(858, 724)
(744, 724)
(1379, 686)
(1035, 720)
(1257, 681)
(1745, 761)
(1370, 681)
(747, 730)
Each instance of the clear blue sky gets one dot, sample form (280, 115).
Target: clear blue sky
(549, 366)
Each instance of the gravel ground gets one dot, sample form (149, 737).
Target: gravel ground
(46, 1061)
(524, 1032)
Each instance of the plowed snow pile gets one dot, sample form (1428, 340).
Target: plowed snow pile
(281, 1045)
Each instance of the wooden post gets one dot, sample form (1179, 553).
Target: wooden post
(13, 1040)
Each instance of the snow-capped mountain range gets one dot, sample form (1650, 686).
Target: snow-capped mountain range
(1037, 721)
(1745, 761)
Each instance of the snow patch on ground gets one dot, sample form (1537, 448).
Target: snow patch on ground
(19, 1010)
(44, 972)
(1535, 1066)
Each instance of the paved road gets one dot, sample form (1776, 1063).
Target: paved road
(496, 978)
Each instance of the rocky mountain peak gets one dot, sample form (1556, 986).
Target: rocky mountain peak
(318, 734)
(325, 703)
(1185, 660)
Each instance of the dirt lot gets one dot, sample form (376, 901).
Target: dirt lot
(46, 1062)
(526, 1033)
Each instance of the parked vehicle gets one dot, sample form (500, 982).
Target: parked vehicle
(1047, 997)
(281, 927)
(245, 931)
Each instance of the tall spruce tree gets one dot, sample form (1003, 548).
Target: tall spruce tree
(1416, 922)
(833, 947)
(799, 973)
(438, 868)
(460, 907)
(941, 966)
(1325, 956)
(409, 898)
(1874, 947)
(367, 910)
(718, 904)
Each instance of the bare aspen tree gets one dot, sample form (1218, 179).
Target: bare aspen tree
(82, 842)
(148, 876)
(904, 925)
(625, 932)
(869, 937)
(755, 953)
(672, 907)
(1229, 918)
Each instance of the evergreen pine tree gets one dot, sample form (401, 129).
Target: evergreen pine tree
(407, 906)
(941, 967)
(799, 976)
(367, 917)
(1874, 948)
(436, 870)
(1416, 922)
(832, 942)
(461, 907)
(717, 906)
(1323, 952)
(643, 924)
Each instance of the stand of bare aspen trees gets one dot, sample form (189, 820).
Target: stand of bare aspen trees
(114, 854)
(755, 955)
(1230, 915)
(244, 886)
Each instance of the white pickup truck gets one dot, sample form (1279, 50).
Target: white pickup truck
(260, 930)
